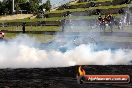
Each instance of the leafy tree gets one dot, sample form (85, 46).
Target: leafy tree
(31, 6)
(34, 5)
(25, 6)
(18, 4)
(17, 8)
(1, 8)
(47, 5)
(21, 1)
(7, 5)
(43, 6)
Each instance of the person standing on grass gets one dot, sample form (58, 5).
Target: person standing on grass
(63, 24)
(128, 18)
(110, 21)
(101, 22)
(23, 27)
(100, 18)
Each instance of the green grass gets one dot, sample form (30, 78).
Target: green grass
(33, 20)
(23, 20)
(32, 28)
(92, 1)
(72, 10)
(102, 0)
(77, 17)
(10, 35)
(46, 38)
(91, 8)
(42, 28)
(43, 38)
(57, 18)
(80, 3)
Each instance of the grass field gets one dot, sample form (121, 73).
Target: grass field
(38, 37)
(42, 38)
(45, 38)
(57, 18)
(71, 10)
(32, 28)
(92, 1)
(90, 8)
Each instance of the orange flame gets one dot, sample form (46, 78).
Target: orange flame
(81, 71)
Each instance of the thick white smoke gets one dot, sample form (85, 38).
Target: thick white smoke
(23, 52)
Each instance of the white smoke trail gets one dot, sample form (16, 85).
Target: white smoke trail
(22, 52)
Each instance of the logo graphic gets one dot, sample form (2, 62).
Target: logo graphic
(83, 78)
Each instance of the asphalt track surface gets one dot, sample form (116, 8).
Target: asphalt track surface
(117, 34)
(114, 45)
(101, 43)
(64, 77)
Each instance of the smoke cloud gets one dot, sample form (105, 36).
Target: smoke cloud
(26, 52)
(23, 52)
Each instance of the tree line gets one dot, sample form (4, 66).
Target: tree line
(28, 6)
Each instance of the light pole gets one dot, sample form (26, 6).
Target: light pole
(13, 6)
